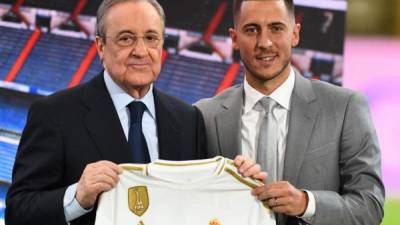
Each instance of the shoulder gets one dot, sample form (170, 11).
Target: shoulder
(66, 101)
(208, 104)
(62, 98)
(324, 91)
(172, 103)
(335, 97)
(325, 88)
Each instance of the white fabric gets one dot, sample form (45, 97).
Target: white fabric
(251, 122)
(308, 215)
(252, 118)
(72, 208)
(149, 125)
(185, 192)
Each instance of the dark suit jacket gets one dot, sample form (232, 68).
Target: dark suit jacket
(70, 129)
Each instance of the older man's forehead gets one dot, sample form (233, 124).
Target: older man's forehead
(134, 18)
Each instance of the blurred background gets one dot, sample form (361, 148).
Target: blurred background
(46, 46)
(372, 66)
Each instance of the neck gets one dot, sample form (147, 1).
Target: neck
(267, 86)
(137, 92)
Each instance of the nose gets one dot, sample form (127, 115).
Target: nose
(139, 48)
(264, 41)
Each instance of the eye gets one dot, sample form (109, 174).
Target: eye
(276, 29)
(125, 38)
(251, 31)
(151, 38)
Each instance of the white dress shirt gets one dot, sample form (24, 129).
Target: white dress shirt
(252, 119)
(149, 126)
(121, 99)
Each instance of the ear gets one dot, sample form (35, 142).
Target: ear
(100, 47)
(233, 34)
(296, 34)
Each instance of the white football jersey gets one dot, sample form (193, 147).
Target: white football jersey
(197, 192)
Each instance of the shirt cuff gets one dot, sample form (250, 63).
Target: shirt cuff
(308, 215)
(72, 208)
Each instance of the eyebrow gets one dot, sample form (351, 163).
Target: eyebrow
(130, 32)
(152, 31)
(277, 23)
(251, 24)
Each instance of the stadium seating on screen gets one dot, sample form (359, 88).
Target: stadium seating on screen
(54, 58)
(7, 153)
(12, 41)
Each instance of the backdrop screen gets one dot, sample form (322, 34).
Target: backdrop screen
(47, 46)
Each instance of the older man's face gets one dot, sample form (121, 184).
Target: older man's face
(133, 47)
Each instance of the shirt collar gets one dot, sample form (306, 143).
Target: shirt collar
(281, 95)
(121, 99)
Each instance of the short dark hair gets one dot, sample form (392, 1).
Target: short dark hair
(238, 3)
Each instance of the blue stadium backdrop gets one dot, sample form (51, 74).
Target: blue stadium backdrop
(47, 46)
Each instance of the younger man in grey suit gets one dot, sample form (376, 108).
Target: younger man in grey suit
(325, 156)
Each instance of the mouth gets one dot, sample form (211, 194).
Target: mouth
(266, 59)
(138, 64)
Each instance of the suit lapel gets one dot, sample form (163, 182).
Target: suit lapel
(228, 122)
(103, 123)
(168, 128)
(303, 114)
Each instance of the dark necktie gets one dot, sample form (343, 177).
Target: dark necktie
(136, 139)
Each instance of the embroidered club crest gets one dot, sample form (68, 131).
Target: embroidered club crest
(214, 222)
(138, 199)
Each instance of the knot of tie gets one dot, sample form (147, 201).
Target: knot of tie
(268, 104)
(136, 110)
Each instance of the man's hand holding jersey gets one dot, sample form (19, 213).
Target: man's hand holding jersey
(102, 176)
(283, 197)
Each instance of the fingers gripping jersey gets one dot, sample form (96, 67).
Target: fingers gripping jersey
(198, 192)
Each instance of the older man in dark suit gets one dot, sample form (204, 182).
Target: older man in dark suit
(74, 139)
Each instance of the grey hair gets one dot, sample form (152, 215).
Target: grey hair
(106, 5)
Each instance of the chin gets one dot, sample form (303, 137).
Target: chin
(140, 80)
(139, 83)
(264, 76)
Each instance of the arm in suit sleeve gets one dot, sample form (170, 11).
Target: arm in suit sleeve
(201, 135)
(361, 195)
(37, 190)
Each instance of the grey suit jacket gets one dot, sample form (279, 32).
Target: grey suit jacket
(332, 149)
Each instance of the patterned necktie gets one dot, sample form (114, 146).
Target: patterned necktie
(267, 150)
(136, 139)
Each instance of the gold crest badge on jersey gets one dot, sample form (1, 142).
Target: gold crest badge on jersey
(138, 199)
(214, 222)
